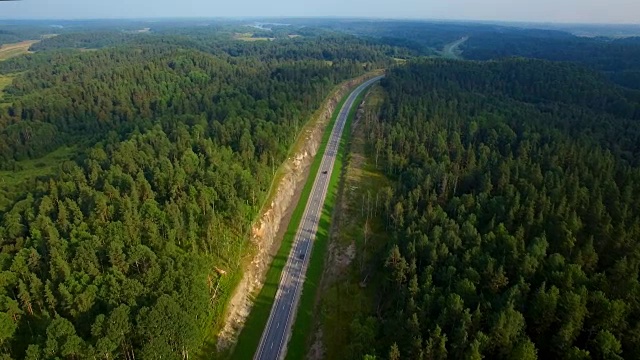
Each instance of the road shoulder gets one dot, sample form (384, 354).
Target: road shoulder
(348, 283)
(259, 299)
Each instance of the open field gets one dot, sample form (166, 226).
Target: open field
(10, 50)
(400, 61)
(36, 167)
(249, 37)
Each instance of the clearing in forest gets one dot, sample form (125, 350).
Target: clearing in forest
(249, 37)
(10, 50)
(4, 82)
(11, 181)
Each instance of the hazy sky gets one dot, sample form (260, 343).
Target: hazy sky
(600, 11)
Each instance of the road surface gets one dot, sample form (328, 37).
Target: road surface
(452, 50)
(278, 329)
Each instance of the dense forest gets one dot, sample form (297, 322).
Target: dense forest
(130, 248)
(85, 40)
(89, 94)
(618, 58)
(16, 33)
(514, 217)
(512, 224)
(294, 44)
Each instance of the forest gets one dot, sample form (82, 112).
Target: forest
(514, 218)
(619, 59)
(130, 246)
(134, 158)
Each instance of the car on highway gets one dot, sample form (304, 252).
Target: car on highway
(301, 256)
(324, 172)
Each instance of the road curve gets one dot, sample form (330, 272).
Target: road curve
(450, 50)
(278, 329)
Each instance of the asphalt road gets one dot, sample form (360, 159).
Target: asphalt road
(452, 50)
(273, 343)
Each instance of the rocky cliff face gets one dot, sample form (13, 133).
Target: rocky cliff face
(268, 231)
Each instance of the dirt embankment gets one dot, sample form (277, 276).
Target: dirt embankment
(268, 231)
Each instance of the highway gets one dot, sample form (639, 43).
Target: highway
(452, 50)
(273, 343)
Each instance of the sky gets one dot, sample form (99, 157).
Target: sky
(563, 11)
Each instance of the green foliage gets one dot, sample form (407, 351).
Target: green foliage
(349, 291)
(303, 326)
(112, 252)
(85, 40)
(513, 216)
(617, 58)
(249, 338)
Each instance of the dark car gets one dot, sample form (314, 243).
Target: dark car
(325, 172)
(301, 256)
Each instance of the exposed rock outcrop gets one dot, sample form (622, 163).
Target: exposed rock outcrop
(268, 231)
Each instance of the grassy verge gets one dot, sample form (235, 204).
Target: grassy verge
(302, 327)
(254, 326)
(299, 143)
(344, 299)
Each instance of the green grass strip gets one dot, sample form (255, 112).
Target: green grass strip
(303, 325)
(251, 333)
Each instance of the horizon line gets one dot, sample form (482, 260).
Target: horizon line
(252, 17)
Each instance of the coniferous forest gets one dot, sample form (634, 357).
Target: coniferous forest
(133, 161)
(514, 217)
(120, 252)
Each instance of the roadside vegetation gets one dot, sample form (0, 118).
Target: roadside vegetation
(135, 212)
(254, 327)
(303, 326)
(350, 279)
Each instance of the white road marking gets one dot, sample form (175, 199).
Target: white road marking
(295, 272)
